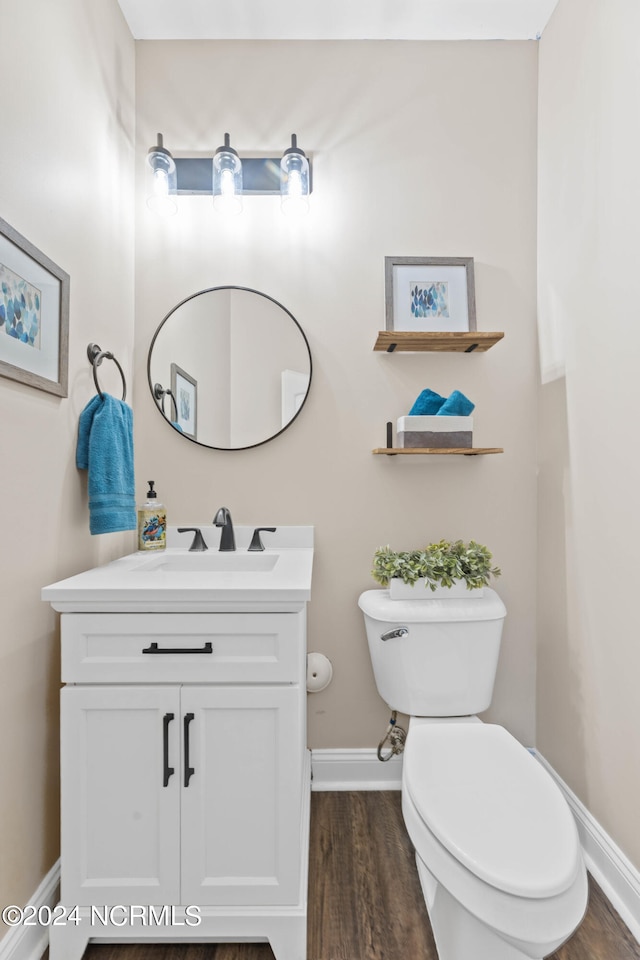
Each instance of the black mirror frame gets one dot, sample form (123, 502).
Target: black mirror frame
(199, 293)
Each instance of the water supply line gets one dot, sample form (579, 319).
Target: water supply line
(396, 736)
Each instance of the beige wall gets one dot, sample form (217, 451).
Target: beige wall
(418, 149)
(588, 653)
(66, 183)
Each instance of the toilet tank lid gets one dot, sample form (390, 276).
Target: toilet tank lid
(378, 605)
(493, 806)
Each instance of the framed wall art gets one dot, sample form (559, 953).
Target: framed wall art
(430, 294)
(185, 391)
(34, 315)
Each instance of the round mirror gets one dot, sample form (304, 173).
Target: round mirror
(229, 368)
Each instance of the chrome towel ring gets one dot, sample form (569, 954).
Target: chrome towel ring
(96, 355)
(160, 392)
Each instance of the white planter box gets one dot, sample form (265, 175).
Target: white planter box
(439, 432)
(399, 590)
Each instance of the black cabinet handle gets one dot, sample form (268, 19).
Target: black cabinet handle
(154, 648)
(167, 770)
(188, 771)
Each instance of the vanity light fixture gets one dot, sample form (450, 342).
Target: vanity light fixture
(229, 178)
(163, 180)
(294, 180)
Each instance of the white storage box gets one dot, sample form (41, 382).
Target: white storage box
(399, 590)
(443, 432)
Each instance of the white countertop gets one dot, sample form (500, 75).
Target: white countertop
(134, 583)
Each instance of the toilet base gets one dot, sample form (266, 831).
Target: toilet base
(461, 936)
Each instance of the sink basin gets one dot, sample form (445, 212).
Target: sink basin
(176, 580)
(211, 563)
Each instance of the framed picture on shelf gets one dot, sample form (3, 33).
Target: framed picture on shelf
(185, 391)
(34, 315)
(430, 294)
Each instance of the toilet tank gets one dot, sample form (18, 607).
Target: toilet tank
(445, 665)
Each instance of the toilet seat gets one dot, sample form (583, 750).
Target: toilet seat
(545, 918)
(493, 807)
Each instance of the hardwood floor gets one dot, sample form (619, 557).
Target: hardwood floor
(365, 901)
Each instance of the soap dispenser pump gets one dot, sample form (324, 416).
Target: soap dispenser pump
(152, 522)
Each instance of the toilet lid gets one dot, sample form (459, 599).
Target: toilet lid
(493, 807)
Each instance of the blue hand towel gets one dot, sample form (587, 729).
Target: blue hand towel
(456, 405)
(427, 404)
(105, 450)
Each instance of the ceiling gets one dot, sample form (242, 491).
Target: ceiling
(337, 19)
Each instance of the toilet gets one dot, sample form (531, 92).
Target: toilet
(497, 847)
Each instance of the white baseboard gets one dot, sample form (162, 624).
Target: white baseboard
(612, 871)
(27, 942)
(354, 770)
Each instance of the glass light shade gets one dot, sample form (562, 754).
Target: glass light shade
(294, 181)
(162, 186)
(227, 179)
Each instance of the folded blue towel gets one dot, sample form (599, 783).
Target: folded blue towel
(105, 450)
(456, 405)
(427, 404)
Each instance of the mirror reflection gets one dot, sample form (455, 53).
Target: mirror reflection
(229, 368)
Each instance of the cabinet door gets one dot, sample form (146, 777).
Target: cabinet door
(241, 812)
(120, 804)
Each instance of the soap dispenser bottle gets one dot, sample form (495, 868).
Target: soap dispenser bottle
(152, 522)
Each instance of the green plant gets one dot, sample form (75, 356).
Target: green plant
(439, 563)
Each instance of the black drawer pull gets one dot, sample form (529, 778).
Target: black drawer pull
(188, 771)
(154, 648)
(167, 770)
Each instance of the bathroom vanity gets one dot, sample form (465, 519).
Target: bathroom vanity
(184, 769)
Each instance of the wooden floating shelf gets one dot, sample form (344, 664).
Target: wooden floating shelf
(437, 451)
(403, 341)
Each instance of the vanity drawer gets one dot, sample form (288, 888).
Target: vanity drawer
(183, 647)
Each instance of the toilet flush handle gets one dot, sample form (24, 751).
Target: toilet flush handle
(392, 634)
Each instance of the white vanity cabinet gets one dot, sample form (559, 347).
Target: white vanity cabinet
(181, 792)
(184, 773)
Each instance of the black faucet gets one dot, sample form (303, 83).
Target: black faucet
(227, 538)
(198, 544)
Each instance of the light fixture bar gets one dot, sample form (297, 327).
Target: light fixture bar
(194, 176)
(260, 176)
